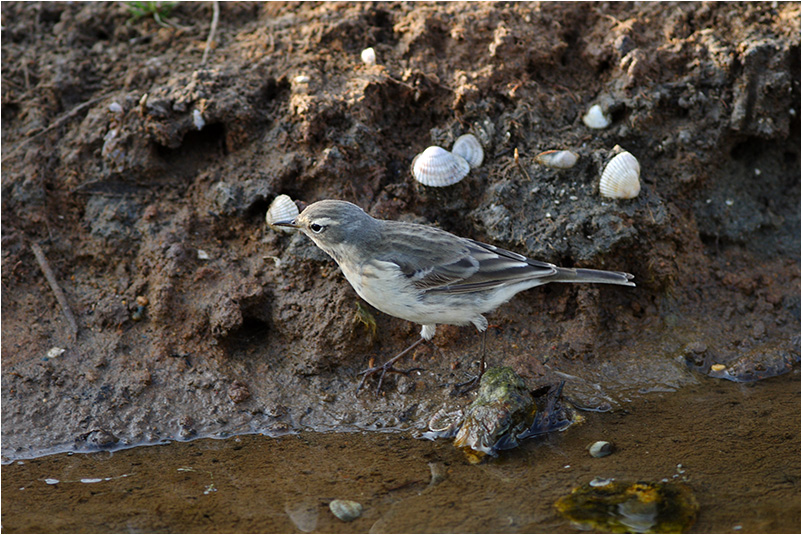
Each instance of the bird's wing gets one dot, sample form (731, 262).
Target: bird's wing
(498, 267)
(437, 261)
(428, 257)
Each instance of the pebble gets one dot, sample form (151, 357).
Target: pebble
(346, 510)
(238, 392)
(600, 448)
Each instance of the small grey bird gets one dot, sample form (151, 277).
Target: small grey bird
(426, 275)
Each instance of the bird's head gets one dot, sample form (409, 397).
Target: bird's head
(333, 225)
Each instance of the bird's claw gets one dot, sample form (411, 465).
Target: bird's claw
(468, 385)
(384, 369)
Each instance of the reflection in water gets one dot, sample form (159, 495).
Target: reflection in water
(261, 484)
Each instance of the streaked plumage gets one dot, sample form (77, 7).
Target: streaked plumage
(427, 275)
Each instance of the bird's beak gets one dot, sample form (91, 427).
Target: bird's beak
(290, 224)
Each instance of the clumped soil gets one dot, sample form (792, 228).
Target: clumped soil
(144, 176)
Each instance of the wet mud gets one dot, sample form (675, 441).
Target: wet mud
(142, 175)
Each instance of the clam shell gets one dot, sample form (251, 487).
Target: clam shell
(469, 148)
(346, 510)
(445, 423)
(282, 208)
(621, 178)
(557, 159)
(438, 168)
(595, 118)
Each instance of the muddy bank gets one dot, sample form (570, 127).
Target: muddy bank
(144, 177)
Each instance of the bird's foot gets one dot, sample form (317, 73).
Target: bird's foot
(460, 389)
(386, 368)
(382, 370)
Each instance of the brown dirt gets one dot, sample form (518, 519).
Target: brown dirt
(248, 330)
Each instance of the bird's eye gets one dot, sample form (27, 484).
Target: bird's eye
(317, 229)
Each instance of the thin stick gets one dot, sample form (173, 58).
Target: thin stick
(521, 166)
(55, 124)
(215, 18)
(51, 279)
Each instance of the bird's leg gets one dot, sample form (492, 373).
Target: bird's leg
(473, 383)
(388, 367)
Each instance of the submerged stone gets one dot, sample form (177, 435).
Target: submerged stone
(625, 507)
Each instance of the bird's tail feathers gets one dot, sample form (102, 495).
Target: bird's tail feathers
(592, 275)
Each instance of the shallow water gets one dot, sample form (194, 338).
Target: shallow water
(737, 446)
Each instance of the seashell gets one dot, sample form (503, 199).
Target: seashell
(600, 481)
(282, 209)
(346, 510)
(445, 423)
(601, 448)
(469, 148)
(557, 159)
(437, 167)
(303, 514)
(198, 120)
(55, 352)
(621, 178)
(595, 118)
(369, 56)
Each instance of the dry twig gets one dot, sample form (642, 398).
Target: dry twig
(212, 30)
(51, 279)
(55, 124)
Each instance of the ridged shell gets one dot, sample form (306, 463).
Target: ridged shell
(469, 148)
(557, 159)
(445, 423)
(621, 178)
(282, 209)
(346, 510)
(438, 168)
(595, 118)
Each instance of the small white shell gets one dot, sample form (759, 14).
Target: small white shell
(438, 168)
(469, 148)
(595, 118)
(621, 178)
(557, 159)
(198, 120)
(282, 209)
(369, 56)
(346, 510)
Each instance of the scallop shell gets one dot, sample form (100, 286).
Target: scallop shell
(621, 178)
(438, 168)
(346, 510)
(595, 118)
(557, 159)
(469, 148)
(282, 209)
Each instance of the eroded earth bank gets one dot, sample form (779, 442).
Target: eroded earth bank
(144, 175)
